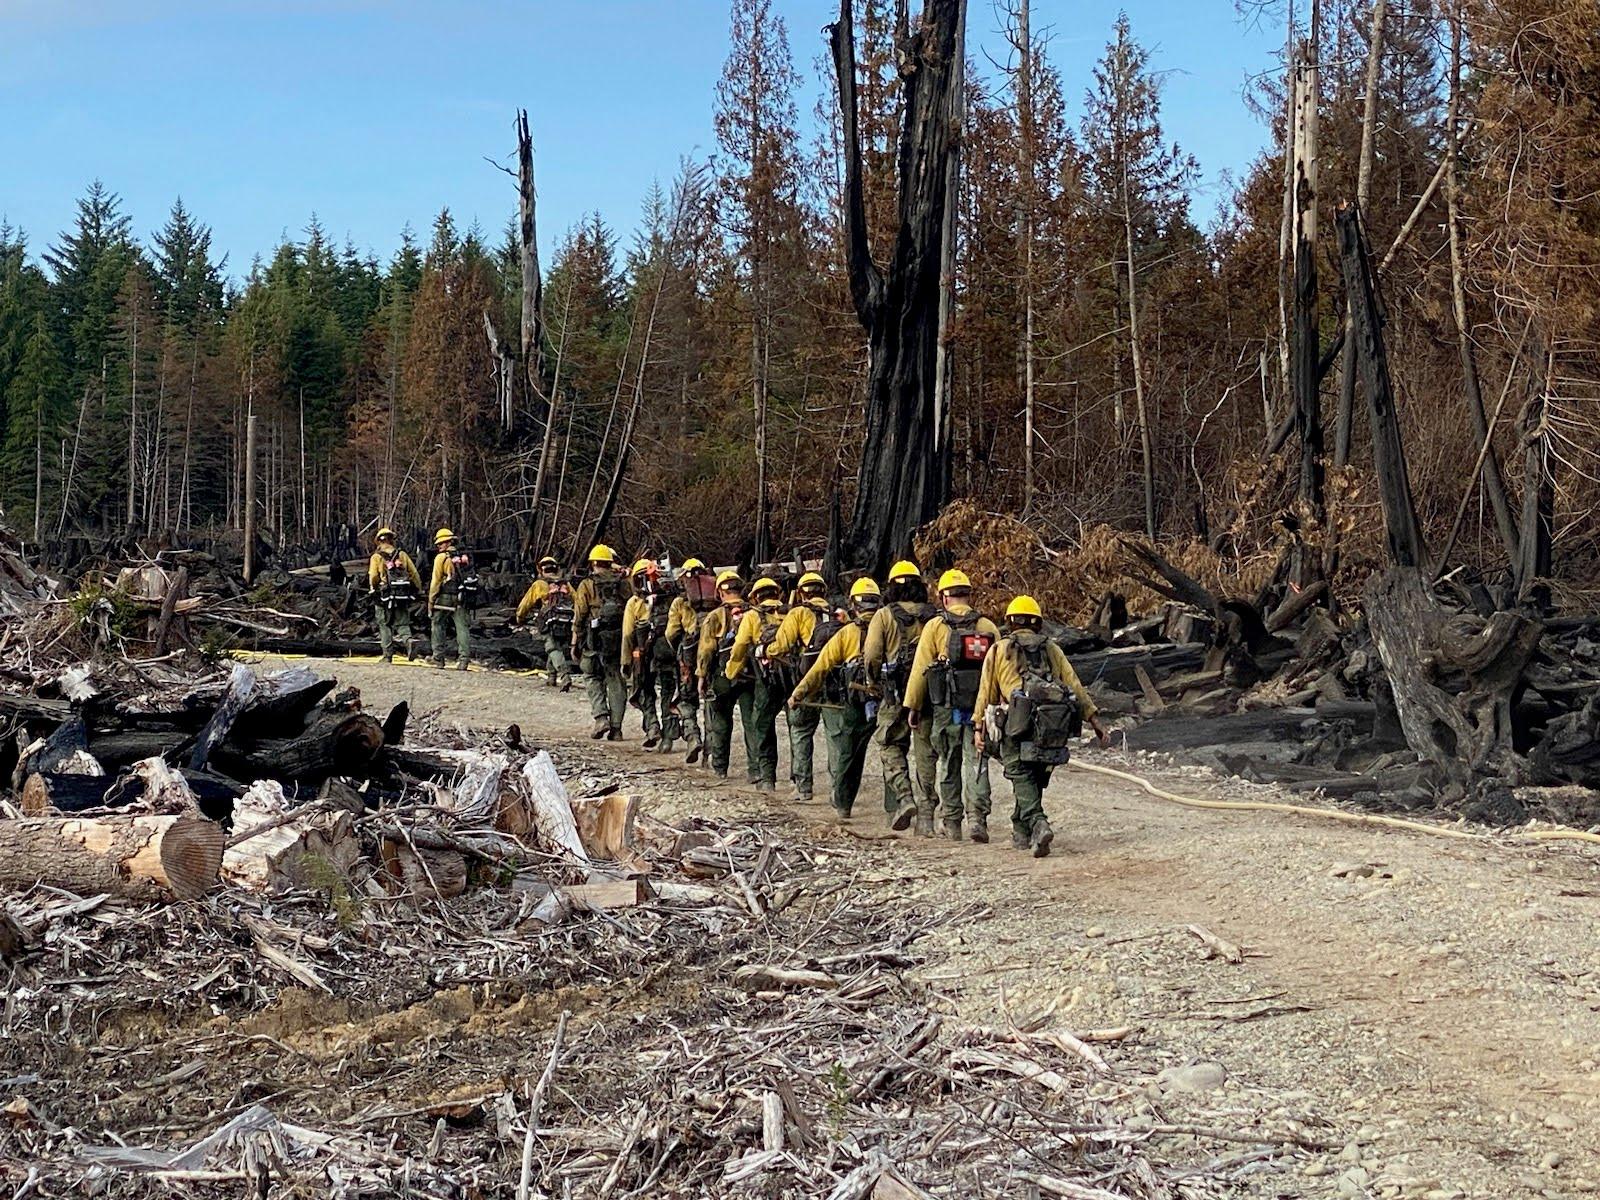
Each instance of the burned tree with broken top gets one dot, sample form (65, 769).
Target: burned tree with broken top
(904, 476)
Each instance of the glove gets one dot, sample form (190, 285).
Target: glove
(913, 718)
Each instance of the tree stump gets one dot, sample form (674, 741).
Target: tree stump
(1453, 677)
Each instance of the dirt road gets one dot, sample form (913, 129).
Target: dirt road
(1429, 1007)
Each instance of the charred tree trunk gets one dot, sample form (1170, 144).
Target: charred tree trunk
(1345, 418)
(1388, 446)
(904, 476)
(532, 297)
(1305, 348)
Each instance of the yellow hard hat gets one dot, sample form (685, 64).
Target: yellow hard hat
(693, 564)
(764, 584)
(727, 578)
(812, 579)
(385, 534)
(549, 560)
(443, 536)
(954, 579)
(905, 569)
(864, 587)
(1024, 606)
(602, 554)
(640, 567)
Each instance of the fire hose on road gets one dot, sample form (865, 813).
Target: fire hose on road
(1333, 814)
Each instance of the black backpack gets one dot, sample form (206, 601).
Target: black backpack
(953, 681)
(768, 668)
(827, 624)
(398, 590)
(897, 669)
(465, 579)
(556, 614)
(605, 622)
(1043, 715)
(650, 634)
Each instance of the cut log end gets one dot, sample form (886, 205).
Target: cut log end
(191, 856)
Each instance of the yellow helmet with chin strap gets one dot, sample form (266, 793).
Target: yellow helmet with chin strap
(443, 536)
(693, 564)
(603, 554)
(904, 569)
(812, 579)
(1024, 606)
(386, 534)
(640, 567)
(729, 577)
(864, 587)
(549, 560)
(953, 579)
(765, 584)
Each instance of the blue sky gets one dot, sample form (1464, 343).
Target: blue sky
(373, 114)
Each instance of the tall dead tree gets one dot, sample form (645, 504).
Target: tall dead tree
(905, 465)
(528, 235)
(1305, 376)
(1344, 419)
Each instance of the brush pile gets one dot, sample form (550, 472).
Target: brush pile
(738, 1016)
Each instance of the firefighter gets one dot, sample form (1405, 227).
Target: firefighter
(1032, 704)
(452, 595)
(804, 632)
(648, 663)
(942, 693)
(891, 644)
(395, 586)
(750, 659)
(839, 677)
(548, 603)
(697, 597)
(597, 609)
(718, 629)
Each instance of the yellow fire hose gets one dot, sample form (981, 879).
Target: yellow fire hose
(1334, 814)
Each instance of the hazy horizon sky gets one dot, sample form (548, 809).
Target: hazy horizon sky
(375, 115)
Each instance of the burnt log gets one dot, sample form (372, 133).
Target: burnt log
(281, 704)
(1118, 667)
(346, 744)
(46, 791)
(1173, 730)
(241, 683)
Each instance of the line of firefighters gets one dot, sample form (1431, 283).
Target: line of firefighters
(941, 687)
